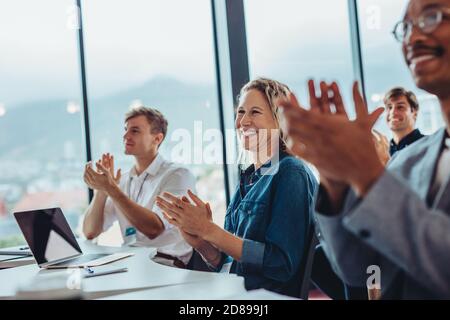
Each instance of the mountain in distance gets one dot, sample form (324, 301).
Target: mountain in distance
(42, 129)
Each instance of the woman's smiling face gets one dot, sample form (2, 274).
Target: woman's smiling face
(255, 120)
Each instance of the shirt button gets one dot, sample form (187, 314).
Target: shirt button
(249, 211)
(364, 233)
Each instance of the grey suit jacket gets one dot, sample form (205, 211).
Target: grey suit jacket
(394, 228)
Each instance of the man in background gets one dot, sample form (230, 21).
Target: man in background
(402, 108)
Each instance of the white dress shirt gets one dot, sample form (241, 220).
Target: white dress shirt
(160, 176)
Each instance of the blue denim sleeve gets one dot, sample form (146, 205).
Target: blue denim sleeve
(253, 252)
(279, 257)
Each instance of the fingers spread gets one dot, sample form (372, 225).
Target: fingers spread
(185, 199)
(313, 100)
(290, 104)
(360, 105)
(101, 168)
(169, 207)
(177, 202)
(195, 199)
(118, 175)
(208, 208)
(324, 98)
(373, 117)
(91, 172)
(170, 219)
(170, 196)
(337, 99)
(111, 162)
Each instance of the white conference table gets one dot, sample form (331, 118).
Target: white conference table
(145, 279)
(218, 288)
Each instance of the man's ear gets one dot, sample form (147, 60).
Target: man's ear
(159, 138)
(415, 112)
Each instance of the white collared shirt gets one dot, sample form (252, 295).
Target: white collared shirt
(160, 176)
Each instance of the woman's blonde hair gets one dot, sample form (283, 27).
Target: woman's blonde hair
(272, 90)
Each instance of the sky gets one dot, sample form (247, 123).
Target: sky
(128, 43)
(122, 47)
(125, 46)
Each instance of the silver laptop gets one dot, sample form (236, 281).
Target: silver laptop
(53, 243)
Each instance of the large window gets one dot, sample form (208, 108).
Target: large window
(383, 61)
(157, 53)
(41, 149)
(292, 41)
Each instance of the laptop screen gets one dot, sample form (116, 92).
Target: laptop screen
(48, 234)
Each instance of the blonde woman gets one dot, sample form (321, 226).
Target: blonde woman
(269, 217)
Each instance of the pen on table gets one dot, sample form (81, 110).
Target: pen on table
(102, 273)
(88, 269)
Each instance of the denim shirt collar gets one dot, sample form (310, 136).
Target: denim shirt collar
(250, 176)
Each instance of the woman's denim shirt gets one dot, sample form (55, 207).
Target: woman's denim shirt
(272, 211)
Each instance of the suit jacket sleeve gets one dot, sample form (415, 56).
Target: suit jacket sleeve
(396, 225)
(349, 256)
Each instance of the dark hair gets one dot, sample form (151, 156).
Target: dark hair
(399, 92)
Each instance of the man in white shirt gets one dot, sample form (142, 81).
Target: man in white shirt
(130, 199)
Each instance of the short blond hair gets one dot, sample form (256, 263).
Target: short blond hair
(272, 90)
(158, 123)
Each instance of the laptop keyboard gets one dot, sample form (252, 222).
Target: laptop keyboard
(82, 259)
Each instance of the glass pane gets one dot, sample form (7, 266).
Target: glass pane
(159, 57)
(384, 65)
(297, 40)
(41, 145)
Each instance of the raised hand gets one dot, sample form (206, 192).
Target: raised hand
(341, 149)
(99, 179)
(382, 146)
(107, 161)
